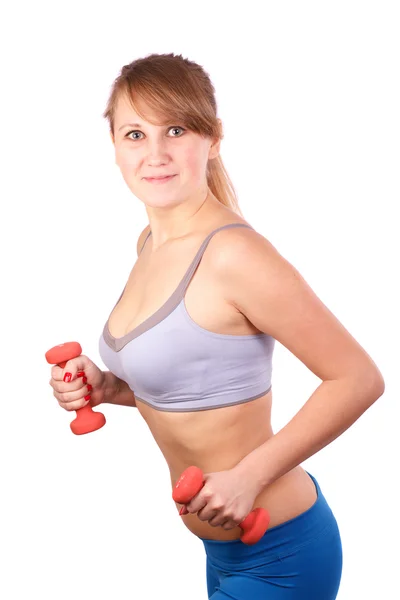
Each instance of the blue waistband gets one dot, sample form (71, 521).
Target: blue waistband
(277, 541)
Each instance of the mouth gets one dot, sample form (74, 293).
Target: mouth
(159, 179)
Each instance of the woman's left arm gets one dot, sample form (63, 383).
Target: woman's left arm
(330, 410)
(272, 294)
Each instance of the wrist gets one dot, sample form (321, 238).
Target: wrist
(249, 468)
(110, 387)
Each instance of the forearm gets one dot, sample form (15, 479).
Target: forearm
(117, 391)
(330, 410)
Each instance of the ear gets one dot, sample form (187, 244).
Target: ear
(215, 147)
(214, 150)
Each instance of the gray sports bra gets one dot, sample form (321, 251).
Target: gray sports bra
(173, 364)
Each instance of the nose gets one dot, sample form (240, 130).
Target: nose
(156, 151)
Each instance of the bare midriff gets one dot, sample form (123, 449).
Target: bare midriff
(218, 439)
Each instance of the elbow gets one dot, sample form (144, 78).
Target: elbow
(375, 384)
(379, 384)
(375, 381)
(371, 377)
(367, 384)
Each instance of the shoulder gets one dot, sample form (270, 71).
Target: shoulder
(243, 248)
(256, 279)
(141, 239)
(252, 272)
(264, 286)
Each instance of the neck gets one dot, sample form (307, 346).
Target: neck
(177, 222)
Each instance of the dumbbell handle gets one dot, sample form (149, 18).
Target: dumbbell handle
(87, 420)
(190, 483)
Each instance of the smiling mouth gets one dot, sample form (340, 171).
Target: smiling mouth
(159, 179)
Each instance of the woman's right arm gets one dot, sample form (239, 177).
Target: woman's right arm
(117, 391)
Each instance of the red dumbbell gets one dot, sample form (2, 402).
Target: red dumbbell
(87, 419)
(190, 483)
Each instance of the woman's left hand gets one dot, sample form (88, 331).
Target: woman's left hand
(226, 498)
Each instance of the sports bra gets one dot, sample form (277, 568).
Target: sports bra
(173, 364)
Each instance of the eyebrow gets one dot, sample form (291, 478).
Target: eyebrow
(130, 125)
(133, 125)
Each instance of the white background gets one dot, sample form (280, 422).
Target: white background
(308, 93)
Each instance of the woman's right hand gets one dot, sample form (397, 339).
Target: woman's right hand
(87, 380)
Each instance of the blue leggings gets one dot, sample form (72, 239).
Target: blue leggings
(300, 559)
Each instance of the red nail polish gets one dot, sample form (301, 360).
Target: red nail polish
(89, 387)
(80, 374)
(84, 380)
(67, 377)
(87, 397)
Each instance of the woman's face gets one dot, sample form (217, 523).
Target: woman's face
(145, 150)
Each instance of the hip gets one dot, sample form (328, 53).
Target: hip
(289, 496)
(300, 558)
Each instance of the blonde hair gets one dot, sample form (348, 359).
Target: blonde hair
(176, 89)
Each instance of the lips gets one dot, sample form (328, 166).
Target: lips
(159, 180)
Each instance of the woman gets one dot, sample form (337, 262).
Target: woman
(190, 343)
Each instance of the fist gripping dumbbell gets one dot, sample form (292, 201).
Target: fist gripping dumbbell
(190, 483)
(87, 419)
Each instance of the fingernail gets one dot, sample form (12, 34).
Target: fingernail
(67, 377)
(80, 374)
(87, 397)
(84, 380)
(89, 387)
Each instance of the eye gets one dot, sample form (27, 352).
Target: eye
(171, 128)
(176, 127)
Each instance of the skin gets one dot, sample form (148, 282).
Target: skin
(154, 150)
(181, 213)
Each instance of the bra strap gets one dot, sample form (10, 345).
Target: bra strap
(147, 237)
(180, 291)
